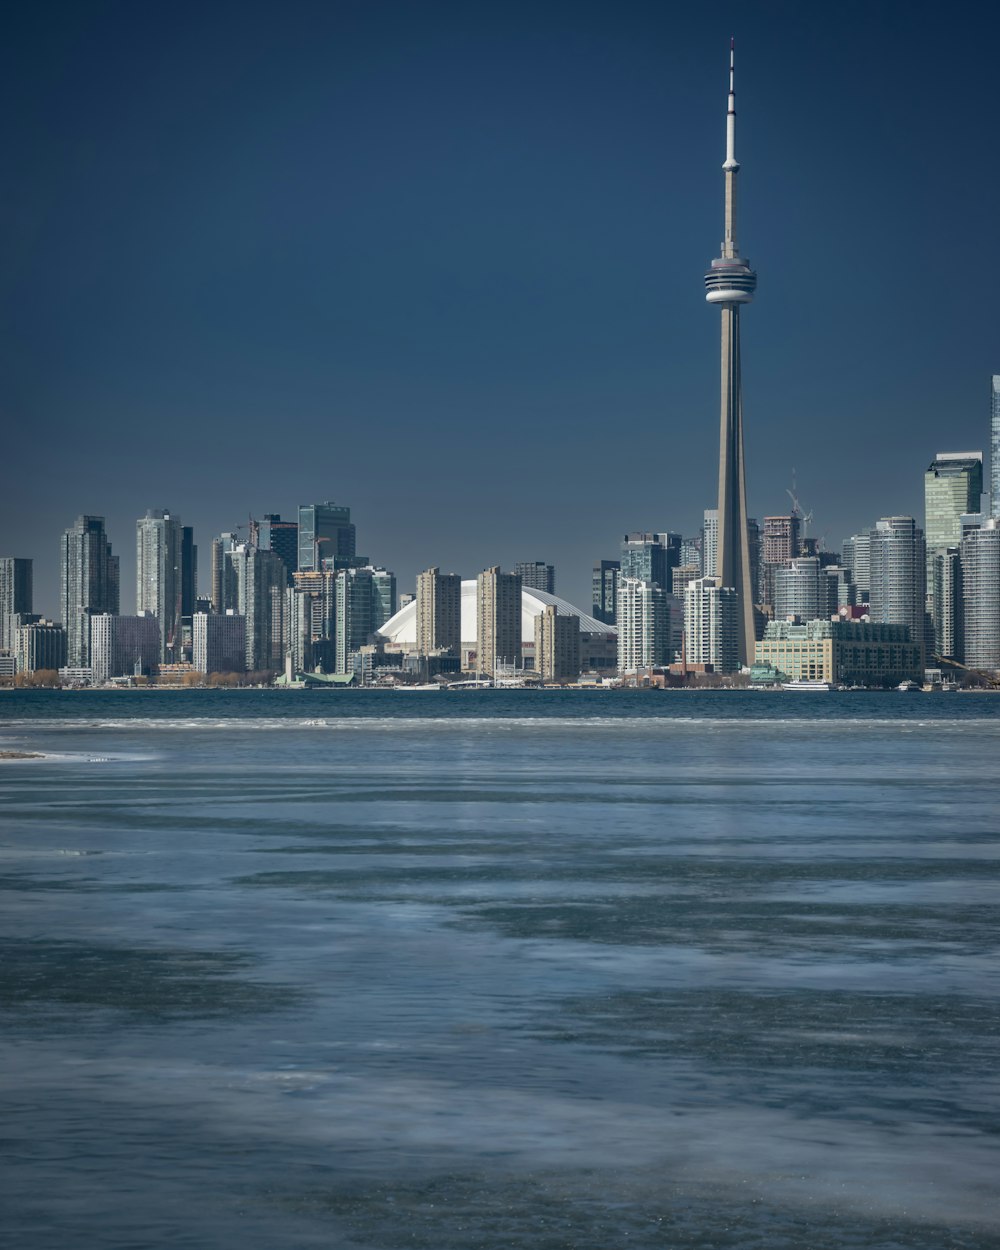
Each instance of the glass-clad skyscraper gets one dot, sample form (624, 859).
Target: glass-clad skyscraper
(995, 447)
(89, 581)
(325, 533)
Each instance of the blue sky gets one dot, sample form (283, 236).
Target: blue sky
(443, 263)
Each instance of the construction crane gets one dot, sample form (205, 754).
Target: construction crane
(988, 678)
(805, 517)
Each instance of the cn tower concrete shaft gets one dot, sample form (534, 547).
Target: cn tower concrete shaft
(729, 283)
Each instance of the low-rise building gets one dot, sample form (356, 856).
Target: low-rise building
(842, 651)
(40, 645)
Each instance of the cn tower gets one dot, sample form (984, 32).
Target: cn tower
(729, 283)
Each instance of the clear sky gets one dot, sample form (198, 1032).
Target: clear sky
(443, 263)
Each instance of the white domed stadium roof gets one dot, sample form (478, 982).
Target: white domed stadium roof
(402, 628)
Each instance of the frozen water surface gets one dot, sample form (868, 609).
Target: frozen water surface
(492, 971)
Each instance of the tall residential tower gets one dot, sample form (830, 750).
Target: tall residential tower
(729, 283)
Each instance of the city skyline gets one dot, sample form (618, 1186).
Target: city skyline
(586, 230)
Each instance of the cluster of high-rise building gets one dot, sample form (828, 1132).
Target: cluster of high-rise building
(295, 598)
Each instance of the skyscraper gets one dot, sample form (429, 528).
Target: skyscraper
(712, 624)
(536, 575)
(644, 559)
(953, 485)
(498, 619)
(729, 283)
(857, 558)
(89, 579)
(258, 580)
(439, 611)
(981, 595)
(899, 575)
(605, 590)
(15, 594)
(643, 625)
(709, 541)
(325, 533)
(282, 537)
(158, 576)
(995, 448)
(557, 645)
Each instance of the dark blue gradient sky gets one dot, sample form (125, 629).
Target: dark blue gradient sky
(443, 263)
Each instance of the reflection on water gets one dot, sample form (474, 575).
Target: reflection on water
(591, 978)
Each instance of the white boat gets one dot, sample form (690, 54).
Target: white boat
(907, 687)
(430, 685)
(804, 684)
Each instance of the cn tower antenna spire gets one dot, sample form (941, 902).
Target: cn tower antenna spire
(731, 161)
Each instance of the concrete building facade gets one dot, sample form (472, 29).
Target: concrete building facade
(643, 625)
(557, 645)
(159, 575)
(712, 624)
(498, 615)
(439, 612)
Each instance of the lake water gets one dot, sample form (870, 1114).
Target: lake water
(491, 971)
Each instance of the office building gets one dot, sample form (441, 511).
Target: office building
(219, 643)
(124, 646)
(325, 533)
(712, 623)
(536, 575)
(15, 594)
(605, 591)
(439, 612)
(159, 576)
(953, 486)
(281, 537)
(39, 645)
(89, 582)
(557, 645)
(730, 283)
(981, 595)
(498, 620)
(898, 575)
(844, 652)
(643, 625)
